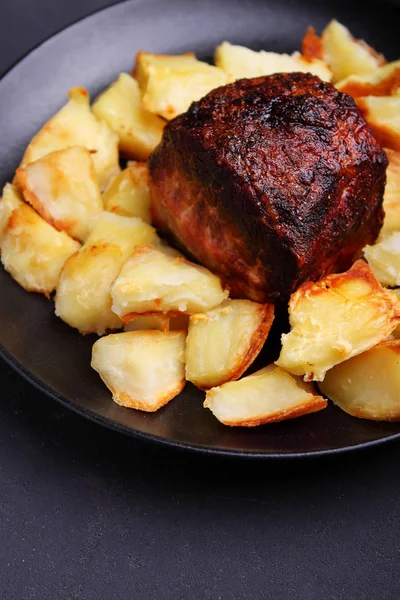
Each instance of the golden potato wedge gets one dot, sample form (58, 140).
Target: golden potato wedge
(83, 294)
(385, 81)
(391, 199)
(76, 125)
(347, 56)
(159, 321)
(128, 195)
(83, 297)
(336, 318)
(10, 200)
(124, 232)
(368, 385)
(151, 282)
(120, 106)
(267, 396)
(169, 84)
(62, 187)
(382, 114)
(32, 251)
(222, 343)
(142, 369)
(239, 62)
(384, 259)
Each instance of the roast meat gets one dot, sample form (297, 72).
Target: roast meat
(270, 182)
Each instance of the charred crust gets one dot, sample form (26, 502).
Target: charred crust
(270, 182)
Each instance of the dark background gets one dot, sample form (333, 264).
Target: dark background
(88, 514)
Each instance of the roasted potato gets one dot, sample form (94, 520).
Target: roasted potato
(32, 251)
(385, 81)
(383, 116)
(76, 125)
(143, 369)
(368, 385)
(159, 321)
(169, 84)
(128, 195)
(120, 106)
(124, 232)
(384, 260)
(391, 200)
(62, 187)
(336, 318)
(222, 343)
(239, 62)
(83, 297)
(267, 396)
(151, 282)
(347, 56)
(10, 200)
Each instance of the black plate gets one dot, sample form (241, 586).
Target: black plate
(91, 53)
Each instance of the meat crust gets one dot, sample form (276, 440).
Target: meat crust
(270, 182)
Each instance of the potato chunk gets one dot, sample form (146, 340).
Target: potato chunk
(11, 200)
(128, 195)
(368, 385)
(336, 318)
(159, 321)
(120, 106)
(63, 188)
(385, 81)
(151, 282)
(222, 343)
(32, 251)
(239, 62)
(143, 369)
(125, 232)
(346, 55)
(391, 200)
(384, 260)
(76, 125)
(267, 396)
(169, 84)
(83, 297)
(383, 116)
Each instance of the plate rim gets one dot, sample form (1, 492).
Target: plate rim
(94, 417)
(114, 426)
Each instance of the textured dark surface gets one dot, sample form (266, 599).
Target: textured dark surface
(270, 182)
(86, 513)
